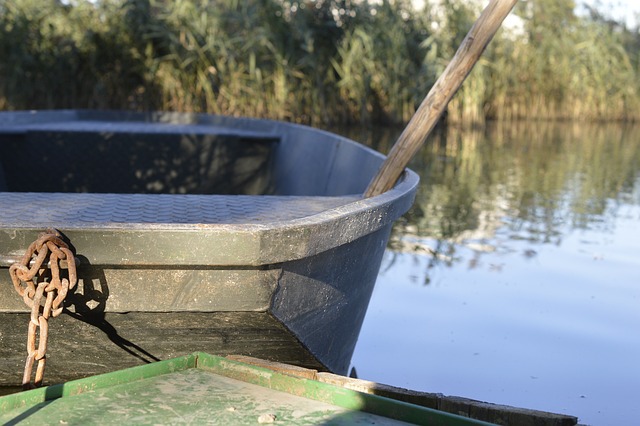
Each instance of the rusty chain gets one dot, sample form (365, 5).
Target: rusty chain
(43, 290)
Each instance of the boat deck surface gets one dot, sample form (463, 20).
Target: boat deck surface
(204, 389)
(191, 396)
(86, 209)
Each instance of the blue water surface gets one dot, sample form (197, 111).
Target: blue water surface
(533, 304)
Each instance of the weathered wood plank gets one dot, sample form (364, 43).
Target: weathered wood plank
(81, 346)
(494, 413)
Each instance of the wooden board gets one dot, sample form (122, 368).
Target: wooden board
(85, 346)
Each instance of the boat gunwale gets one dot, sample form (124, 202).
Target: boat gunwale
(261, 243)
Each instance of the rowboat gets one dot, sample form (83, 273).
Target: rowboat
(200, 388)
(191, 232)
(204, 389)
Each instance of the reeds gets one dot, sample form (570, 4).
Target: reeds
(314, 61)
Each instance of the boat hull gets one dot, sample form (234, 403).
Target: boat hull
(278, 264)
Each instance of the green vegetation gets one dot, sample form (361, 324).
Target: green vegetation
(314, 61)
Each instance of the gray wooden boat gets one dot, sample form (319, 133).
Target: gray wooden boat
(192, 232)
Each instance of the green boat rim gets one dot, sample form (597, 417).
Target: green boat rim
(266, 378)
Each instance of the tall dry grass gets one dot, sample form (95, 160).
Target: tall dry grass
(314, 61)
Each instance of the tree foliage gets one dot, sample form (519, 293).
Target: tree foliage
(314, 61)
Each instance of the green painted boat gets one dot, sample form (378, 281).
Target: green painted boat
(205, 389)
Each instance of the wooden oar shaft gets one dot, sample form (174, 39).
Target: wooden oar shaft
(434, 104)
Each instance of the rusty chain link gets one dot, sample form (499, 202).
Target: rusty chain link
(43, 290)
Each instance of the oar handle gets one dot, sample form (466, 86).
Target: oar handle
(434, 104)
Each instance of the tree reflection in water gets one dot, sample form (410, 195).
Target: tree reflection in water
(514, 277)
(528, 181)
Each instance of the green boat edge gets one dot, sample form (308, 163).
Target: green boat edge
(307, 388)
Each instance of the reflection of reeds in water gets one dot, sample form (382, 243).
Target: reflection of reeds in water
(312, 61)
(533, 181)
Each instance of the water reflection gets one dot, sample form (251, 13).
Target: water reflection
(526, 182)
(514, 277)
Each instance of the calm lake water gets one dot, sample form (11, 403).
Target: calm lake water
(515, 277)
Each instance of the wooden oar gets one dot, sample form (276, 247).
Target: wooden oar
(432, 107)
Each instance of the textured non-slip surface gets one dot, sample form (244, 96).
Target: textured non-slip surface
(18, 209)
